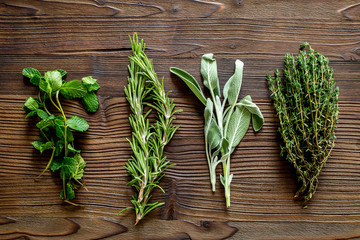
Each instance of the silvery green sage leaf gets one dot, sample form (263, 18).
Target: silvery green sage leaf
(239, 122)
(257, 117)
(190, 82)
(223, 129)
(209, 73)
(232, 87)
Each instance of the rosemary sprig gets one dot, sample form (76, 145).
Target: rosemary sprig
(306, 101)
(147, 165)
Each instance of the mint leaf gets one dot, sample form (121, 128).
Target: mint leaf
(42, 114)
(35, 80)
(78, 123)
(73, 150)
(59, 130)
(90, 83)
(70, 193)
(45, 86)
(45, 146)
(56, 164)
(73, 89)
(62, 72)
(59, 146)
(45, 123)
(68, 167)
(31, 114)
(54, 79)
(90, 102)
(31, 103)
(80, 166)
(37, 144)
(30, 72)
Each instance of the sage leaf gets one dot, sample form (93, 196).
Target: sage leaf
(190, 82)
(238, 125)
(257, 117)
(73, 89)
(208, 115)
(214, 135)
(209, 73)
(233, 85)
(77, 123)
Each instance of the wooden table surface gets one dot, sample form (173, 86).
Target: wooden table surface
(90, 37)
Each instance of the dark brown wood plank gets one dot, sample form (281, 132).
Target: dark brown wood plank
(89, 37)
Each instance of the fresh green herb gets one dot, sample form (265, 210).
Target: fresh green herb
(306, 101)
(147, 165)
(225, 123)
(55, 130)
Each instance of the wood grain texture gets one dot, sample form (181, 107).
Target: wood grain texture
(89, 37)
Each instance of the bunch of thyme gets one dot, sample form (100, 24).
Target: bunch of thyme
(306, 101)
(147, 165)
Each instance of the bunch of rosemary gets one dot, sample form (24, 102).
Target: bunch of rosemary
(306, 101)
(147, 165)
(226, 122)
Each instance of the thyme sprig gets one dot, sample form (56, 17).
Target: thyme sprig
(306, 101)
(147, 165)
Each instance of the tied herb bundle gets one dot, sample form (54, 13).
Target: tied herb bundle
(225, 123)
(147, 165)
(55, 130)
(306, 101)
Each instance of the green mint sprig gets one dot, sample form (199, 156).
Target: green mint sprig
(148, 163)
(306, 100)
(55, 130)
(226, 122)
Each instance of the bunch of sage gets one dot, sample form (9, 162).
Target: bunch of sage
(306, 101)
(226, 122)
